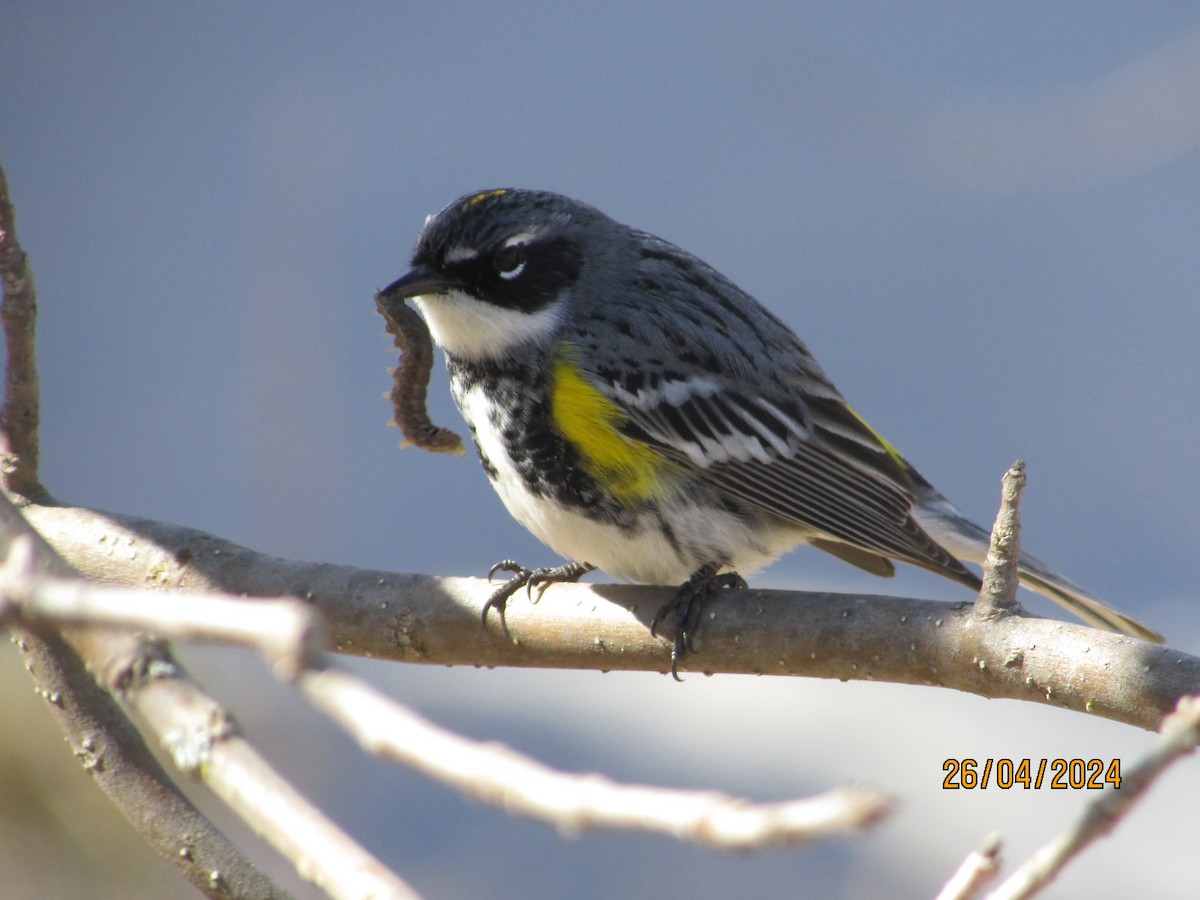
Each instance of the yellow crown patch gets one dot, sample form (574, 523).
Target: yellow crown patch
(483, 195)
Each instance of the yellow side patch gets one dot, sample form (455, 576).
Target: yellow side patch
(480, 197)
(589, 420)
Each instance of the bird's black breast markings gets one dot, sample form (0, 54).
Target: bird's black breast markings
(548, 465)
(488, 468)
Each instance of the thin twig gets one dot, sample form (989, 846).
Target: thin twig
(18, 312)
(1001, 575)
(980, 867)
(1180, 734)
(290, 633)
(502, 777)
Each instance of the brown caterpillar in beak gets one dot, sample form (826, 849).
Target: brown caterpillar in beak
(411, 377)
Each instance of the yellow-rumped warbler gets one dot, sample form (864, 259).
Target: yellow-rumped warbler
(641, 414)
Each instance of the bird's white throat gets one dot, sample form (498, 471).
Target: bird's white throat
(473, 330)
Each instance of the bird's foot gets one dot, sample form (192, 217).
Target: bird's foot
(687, 606)
(539, 578)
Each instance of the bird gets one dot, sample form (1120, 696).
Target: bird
(640, 413)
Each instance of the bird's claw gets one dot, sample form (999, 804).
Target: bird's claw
(687, 606)
(540, 578)
(505, 565)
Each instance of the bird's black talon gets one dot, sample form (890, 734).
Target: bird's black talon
(677, 651)
(499, 600)
(541, 578)
(530, 582)
(505, 565)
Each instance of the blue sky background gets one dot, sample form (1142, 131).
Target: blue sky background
(983, 219)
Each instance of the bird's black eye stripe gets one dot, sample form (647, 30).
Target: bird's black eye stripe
(509, 260)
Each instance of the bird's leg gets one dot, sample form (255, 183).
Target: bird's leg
(539, 578)
(686, 607)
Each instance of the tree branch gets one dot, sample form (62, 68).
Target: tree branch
(288, 632)
(426, 619)
(517, 784)
(18, 312)
(980, 867)
(1001, 572)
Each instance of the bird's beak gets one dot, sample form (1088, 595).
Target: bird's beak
(421, 281)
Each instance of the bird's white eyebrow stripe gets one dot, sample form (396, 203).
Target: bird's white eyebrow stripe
(459, 253)
(524, 237)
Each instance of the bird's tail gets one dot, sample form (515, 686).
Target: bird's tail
(967, 541)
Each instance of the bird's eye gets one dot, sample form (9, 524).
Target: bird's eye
(510, 261)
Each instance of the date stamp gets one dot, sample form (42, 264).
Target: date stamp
(1031, 774)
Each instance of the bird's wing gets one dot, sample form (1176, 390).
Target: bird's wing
(806, 460)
